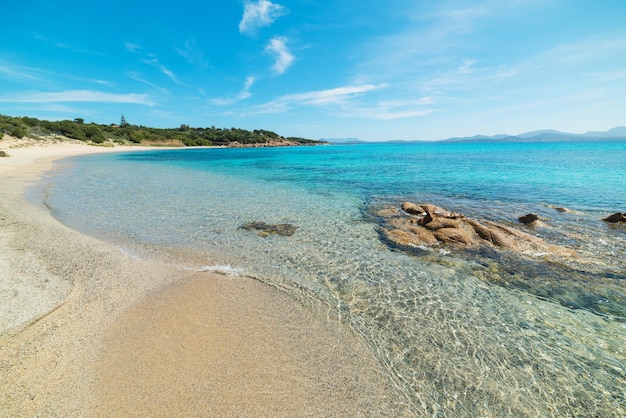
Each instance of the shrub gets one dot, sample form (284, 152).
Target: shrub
(18, 132)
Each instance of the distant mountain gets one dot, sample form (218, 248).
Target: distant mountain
(619, 132)
(546, 135)
(342, 140)
(484, 138)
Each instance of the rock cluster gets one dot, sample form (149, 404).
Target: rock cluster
(265, 229)
(615, 218)
(425, 225)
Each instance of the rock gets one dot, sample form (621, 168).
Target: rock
(264, 229)
(439, 223)
(562, 210)
(528, 218)
(615, 218)
(424, 236)
(412, 208)
(387, 213)
(454, 236)
(491, 235)
(400, 238)
(418, 235)
(430, 225)
(3, 154)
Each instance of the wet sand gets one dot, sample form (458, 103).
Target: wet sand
(86, 330)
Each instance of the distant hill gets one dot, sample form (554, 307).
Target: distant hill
(343, 140)
(619, 132)
(545, 135)
(548, 135)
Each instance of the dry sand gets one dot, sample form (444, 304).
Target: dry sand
(88, 331)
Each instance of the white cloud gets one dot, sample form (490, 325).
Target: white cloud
(76, 96)
(259, 14)
(245, 93)
(283, 58)
(317, 98)
(242, 95)
(343, 105)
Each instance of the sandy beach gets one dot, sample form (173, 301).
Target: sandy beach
(86, 330)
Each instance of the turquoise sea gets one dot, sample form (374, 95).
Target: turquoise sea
(462, 333)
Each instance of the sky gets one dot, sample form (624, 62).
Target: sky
(373, 70)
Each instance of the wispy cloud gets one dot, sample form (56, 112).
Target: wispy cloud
(132, 47)
(336, 96)
(259, 14)
(139, 78)
(77, 96)
(191, 52)
(242, 95)
(62, 45)
(439, 35)
(611, 74)
(283, 58)
(582, 51)
(32, 76)
(392, 109)
(156, 64)
(20, 73)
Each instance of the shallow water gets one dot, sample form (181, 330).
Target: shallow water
(463, 333)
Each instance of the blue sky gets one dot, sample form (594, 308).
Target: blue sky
(375, 70)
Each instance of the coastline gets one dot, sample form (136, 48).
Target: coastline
(87, 330)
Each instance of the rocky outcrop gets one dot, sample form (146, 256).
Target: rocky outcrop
(265, 229)
(615, 218)
(425, 225)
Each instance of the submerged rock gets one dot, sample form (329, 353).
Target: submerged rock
(562, 209)
(265, 229)
(615, 218)
(426, 225)
(528, 218)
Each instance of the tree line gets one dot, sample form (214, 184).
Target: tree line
(125, 133)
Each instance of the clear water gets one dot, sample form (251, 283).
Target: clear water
(480, 333)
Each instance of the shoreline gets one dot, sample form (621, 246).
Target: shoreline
(87, 330)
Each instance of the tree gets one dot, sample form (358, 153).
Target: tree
(79, 121)
(123, 121)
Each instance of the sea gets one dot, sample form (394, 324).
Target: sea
(485, 332)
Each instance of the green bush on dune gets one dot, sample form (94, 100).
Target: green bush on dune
(127, 133)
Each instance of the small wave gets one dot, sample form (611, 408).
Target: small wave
(226, 270)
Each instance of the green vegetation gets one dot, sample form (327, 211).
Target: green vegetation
(125, 133)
